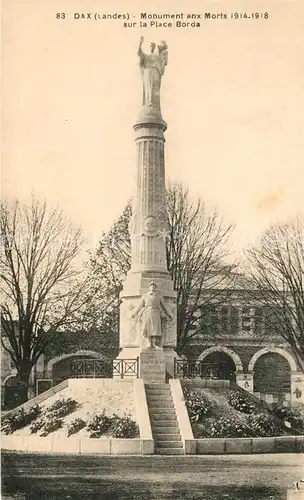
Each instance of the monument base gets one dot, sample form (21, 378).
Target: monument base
(130, 353)
(152, 368)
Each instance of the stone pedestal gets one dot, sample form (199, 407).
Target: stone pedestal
(152, 368)
(245, 381)
(297, 389)
(131, 340)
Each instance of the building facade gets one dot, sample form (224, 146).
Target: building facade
(241, 340)
(236, 341)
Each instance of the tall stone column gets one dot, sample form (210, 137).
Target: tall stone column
(148, 226)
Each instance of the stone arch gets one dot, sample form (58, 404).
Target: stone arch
(219, 348)
(12, 394)
(277, 350)
(11, 376)
(57, 359)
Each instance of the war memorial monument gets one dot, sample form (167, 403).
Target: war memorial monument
(148, 309)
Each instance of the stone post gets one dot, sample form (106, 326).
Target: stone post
(245, 381)
(297, 388)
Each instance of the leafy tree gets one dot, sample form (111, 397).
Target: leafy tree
(196, 247)
(43, 289)
(109, 266)
(277, 271)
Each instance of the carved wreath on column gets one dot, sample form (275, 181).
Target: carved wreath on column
(151, 226)
(155, 227)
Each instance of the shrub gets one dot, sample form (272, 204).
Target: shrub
(32, 413)
(99, 425)
(240, 401)
(226, 427)
(263, 425)
(62, 407)
(124, 427)
(253, 425)
(13, 422)
(20, 419)
(291, 415)
(75, 426)
(46, 424)
(7, 426)
(37, 426)
(51, 425)
(198, 406)
(114, 425)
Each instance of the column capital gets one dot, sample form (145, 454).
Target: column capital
(149, 123)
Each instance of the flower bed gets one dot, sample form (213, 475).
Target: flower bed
(51, 418)
(229, 414)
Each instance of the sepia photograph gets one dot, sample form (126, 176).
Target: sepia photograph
(152, 250)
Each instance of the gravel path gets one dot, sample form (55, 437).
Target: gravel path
(249, 477)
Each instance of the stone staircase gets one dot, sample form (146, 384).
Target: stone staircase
(164, 424)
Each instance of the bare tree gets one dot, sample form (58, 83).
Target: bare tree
(197, 250)
(42, 288)
(196, 246)
(277, 272)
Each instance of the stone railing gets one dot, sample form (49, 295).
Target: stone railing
(142, 417)
(184, 424)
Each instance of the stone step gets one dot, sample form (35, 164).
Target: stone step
(158, 390)
(161, 417)
(157, 396)
(157, 385)
(166, 437)
(170, 429)
(169, 444)
(160, 404)
(169, 451)
(166, 425)
(151, 399)
(157, 410)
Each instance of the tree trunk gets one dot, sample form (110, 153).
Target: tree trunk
(24, 371)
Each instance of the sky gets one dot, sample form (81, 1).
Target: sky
(232, 96)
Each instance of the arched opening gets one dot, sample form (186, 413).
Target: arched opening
(271, 374)
(14, 393)
(218, 365)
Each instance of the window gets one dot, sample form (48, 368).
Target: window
(220, 319)
(259, 321)
(224, 316)
(234, 320)
(272, 320)
(246, 323)
(209, 320)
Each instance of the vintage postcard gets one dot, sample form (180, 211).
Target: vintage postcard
(152, 264)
